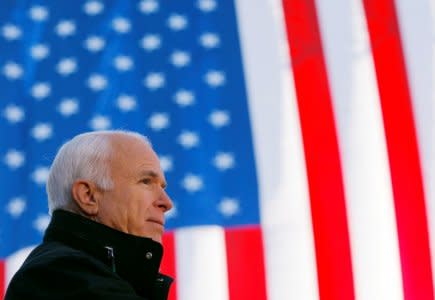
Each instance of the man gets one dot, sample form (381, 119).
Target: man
(106, 192)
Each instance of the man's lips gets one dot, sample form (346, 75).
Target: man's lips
(156, 221)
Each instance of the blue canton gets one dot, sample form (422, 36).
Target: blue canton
(171, 70)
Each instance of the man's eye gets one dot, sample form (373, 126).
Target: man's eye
(146, 181)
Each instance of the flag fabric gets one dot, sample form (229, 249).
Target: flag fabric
(297, 137)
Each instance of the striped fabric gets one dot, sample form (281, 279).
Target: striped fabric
(342, 106)
(341, 100)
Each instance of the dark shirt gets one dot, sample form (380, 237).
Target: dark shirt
(83, 258)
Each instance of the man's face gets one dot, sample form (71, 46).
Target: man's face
(137, 201)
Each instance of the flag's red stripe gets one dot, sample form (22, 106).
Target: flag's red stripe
(168, 262)
(245, 261)
(334, 266)
(402, 149)
(2, 278)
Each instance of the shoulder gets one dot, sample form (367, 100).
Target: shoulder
(54, 258)
(56, 271)
(54, 253)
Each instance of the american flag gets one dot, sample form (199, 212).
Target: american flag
(297, 137)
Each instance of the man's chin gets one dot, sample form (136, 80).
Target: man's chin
(155, 231)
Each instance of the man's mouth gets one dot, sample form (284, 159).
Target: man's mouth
(156, 221)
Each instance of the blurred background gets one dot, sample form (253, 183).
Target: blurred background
(297, 137)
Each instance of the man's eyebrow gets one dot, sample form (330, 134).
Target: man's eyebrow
(149, 173)
(152, 174)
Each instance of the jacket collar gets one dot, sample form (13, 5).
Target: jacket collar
(135, 259)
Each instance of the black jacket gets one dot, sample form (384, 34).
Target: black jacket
(82, 259)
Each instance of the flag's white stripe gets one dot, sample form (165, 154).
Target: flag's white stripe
(284, 201)
(369, 199)
(417, 26)
(201, 263)
(14, 262)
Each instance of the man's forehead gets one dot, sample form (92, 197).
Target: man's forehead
(131, 147)
(136, 154)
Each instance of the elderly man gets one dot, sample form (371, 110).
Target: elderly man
(106, 192)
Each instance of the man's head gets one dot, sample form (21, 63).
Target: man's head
(113, 177)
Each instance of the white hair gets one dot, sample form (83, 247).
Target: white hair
(87, 156)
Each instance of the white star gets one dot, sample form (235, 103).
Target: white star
(14, 159)
(192, 183)
(95, 43)
(40, 175)
(65, 28)
(68, 107)
(13, 113)
(184, 98)
(219, 118)
(177, 22)
(12, 70)
(93, 8)
(100, 123)
(224, 161)
(215, 78)
(123, 63)
(158, 121)
(207, 5)
(169, 214)
(39, 51)
(126, 103)
(41, 223)
(66, 66)
(180, 58)
(151, 42)
(40, 90)
(148, 6)
(97, 82)
(154, 81)
(209, 40)
(229, 207)
(38, 13)
(11, 32)
(121, 25)
(42, 131)
(188, 139)
(166, 163)
(16, 206)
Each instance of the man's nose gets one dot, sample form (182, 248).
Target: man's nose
(165, 201)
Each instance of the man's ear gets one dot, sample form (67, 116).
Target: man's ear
(86, 195)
